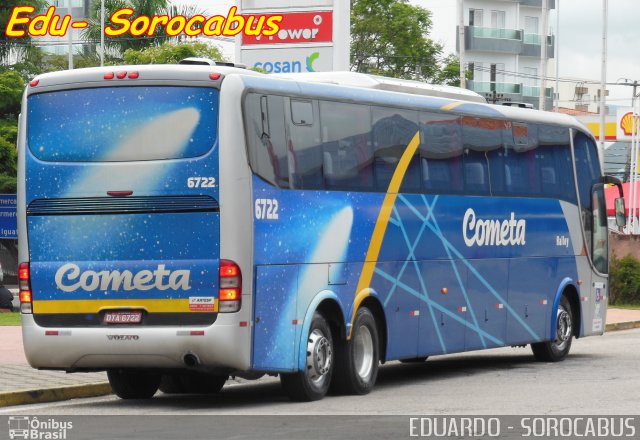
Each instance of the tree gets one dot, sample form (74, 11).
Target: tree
(7, 44)
(118, 45)
(170, 53)
(389, 37)
(11, 87)
(449, 73)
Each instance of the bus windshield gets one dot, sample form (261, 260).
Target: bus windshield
(122, 124)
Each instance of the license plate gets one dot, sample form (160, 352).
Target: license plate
(123, 317)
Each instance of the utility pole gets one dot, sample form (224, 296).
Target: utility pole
(557, 44)
(102, 33)
(70, 34)
(463, 79)
(543, 54)
(603, 81)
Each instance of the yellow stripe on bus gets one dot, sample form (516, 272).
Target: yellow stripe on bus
(96, 306)
(452, 105)
(380, 228)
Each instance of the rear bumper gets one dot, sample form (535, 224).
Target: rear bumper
(224, 344)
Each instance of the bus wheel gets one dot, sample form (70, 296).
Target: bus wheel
(313, 383)
(357, 359)
(558, 349)
(133, 384)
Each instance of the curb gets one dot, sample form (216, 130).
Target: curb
(26, 397)
(622, 326)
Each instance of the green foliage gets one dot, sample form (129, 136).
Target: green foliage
(170, 53)
(11, 87)
(390, 37)
(450, 72)
(624, 284)
(7, 43)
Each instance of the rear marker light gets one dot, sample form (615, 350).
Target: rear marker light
(51, 333)
(244, 324)
(34, 83)
(109, 75)
(230, 284)
(134, 75)
(24, 283)
(119, 193)
(197, 333)
(121, 75)
(215, 76)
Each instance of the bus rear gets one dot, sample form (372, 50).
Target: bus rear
(120, 223)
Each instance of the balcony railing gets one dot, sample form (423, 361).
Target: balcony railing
(484, 87)
(535, 91)
(507, 34)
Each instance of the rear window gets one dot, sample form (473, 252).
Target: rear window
(122, 124)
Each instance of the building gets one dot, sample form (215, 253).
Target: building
(78, 9)
(503, 48)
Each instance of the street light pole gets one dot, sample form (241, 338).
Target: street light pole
(70, 37)
(101, 32)
(603, 80)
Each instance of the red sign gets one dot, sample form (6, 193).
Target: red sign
(298, 27)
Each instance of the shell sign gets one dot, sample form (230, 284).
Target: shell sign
(625, 122)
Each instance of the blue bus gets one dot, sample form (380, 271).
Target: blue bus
(181, 224)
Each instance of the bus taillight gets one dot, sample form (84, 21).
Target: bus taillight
(230, 294)
(24, 283)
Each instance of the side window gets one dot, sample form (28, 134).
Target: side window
(392, 131)
(554, 157)
(600, 244)
(441, 153)
(305, 147)
(347, 157)
(482, 138)
(265, 131)
(587, 167)
(520, 170)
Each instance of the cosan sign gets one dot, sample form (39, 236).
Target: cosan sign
(298, 27)
(290, 60)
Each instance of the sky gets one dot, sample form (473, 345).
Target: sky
(580, 37)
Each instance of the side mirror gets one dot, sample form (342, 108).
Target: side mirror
(621, 219)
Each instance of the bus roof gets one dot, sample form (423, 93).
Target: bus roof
(321, 85)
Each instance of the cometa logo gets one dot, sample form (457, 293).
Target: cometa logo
(493, 232)
(69, 278)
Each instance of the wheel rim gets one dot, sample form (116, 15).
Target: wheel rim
(319, 358)
(564, 328)
(363, 352)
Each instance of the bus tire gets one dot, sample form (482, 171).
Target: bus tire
(313, 383)
(133, 384)
(357, 359)
(558, 349)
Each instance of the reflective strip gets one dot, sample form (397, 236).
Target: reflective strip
(543, 302)
(462, 309)
(97, 306)
(414, 313)
(499, 306)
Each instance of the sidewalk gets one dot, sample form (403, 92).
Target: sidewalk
(20, 384)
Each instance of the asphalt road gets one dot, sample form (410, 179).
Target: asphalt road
(600, 377)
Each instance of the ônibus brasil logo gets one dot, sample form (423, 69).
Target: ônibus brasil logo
(32, 428)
